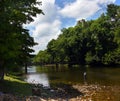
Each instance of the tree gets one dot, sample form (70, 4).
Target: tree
(43, 57)
(14, 14)
(113, 12)
(103, 37)
(77, 42)
(52, 49)
(27, 43)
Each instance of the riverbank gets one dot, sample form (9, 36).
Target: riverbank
(87, 93)
(65, 92)
(14, 89)
(15, 85)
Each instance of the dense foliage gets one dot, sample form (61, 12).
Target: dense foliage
(95, 42)
(15, 41)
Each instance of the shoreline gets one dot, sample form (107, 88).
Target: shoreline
(63, 92)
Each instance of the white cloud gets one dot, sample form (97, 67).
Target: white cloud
(47, 29)
(45, 32)
(105, 1)
(48, 26)
(82, 9)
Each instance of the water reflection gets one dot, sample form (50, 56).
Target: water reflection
(37, 78)
(31, 69)
(34, 77)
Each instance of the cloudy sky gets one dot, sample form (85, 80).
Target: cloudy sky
(62, 14)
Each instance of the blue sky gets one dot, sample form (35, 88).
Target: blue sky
(62, 14)
(117, 2)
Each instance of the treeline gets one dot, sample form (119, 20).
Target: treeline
(95, 42)
(15, 40)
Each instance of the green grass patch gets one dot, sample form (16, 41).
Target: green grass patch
(14, 85)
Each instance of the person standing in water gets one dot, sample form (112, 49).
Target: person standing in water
(85, 77)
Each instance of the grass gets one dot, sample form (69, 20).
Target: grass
(14, 85)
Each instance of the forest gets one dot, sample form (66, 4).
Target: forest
(92, 42)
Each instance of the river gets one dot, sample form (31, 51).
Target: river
(47, 75)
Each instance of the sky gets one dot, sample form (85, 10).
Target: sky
(61, 14)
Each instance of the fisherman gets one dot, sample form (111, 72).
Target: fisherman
(85, 77)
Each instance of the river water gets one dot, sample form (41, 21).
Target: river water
(47, 75)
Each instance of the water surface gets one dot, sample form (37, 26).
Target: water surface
(50, 74)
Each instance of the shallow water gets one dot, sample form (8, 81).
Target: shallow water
(49, 74)
(107, 80)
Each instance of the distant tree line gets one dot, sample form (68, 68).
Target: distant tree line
(94, 42)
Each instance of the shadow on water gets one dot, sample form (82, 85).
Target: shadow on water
(58, 91)
(67, 91)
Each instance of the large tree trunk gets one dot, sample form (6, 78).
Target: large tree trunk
(2, 74)
(2, 70)
(57, 65)
(26, 68)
